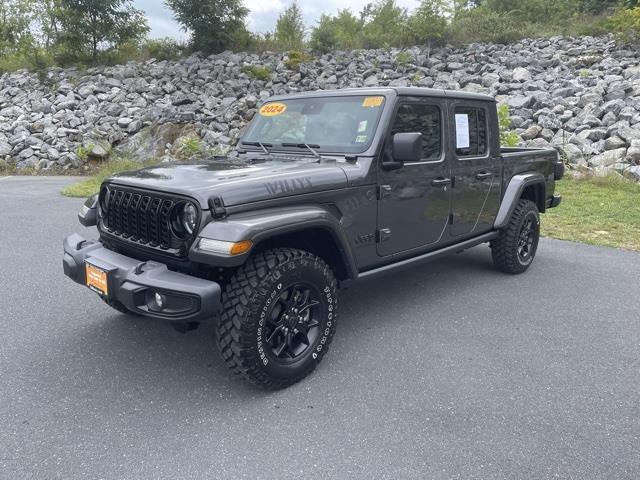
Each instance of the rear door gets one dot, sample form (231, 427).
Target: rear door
(476, 192)
(414, 201)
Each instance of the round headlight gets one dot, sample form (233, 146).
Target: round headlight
(103, 199)
(189, 217)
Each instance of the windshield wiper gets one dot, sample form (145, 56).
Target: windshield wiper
(305, 145)
(263, 146)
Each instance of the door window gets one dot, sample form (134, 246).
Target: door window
(471, 131)
(425, 119)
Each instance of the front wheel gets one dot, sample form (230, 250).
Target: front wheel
(515, 248)
(279, 316)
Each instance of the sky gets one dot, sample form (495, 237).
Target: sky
(262, 17)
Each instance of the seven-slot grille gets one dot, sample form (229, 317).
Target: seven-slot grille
(140, 217)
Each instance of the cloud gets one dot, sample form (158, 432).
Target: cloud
(166, 27)
(261, 6)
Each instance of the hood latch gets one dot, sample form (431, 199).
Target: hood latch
(217, 207)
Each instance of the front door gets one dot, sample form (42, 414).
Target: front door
(476, 194)
(414, 201)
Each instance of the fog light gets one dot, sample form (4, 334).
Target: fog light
(159, 298)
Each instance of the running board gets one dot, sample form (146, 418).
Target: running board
(427, 257)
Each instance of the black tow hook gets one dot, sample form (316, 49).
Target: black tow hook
(138, 270)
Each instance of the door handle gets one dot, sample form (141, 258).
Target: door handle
(441, 182)
(484, 175)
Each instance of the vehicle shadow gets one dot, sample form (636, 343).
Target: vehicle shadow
(148, 355)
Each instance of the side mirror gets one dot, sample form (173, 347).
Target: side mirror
(407, 147)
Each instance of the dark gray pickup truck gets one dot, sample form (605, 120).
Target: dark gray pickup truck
(324, 188)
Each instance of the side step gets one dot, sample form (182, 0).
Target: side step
(430, 256)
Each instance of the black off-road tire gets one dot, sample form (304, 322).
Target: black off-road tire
(116, 305)
(507, 250)
(256, 293)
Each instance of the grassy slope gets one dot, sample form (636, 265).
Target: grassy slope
(600, 211)
(91, 185)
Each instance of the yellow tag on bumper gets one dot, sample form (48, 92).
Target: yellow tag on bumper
(97, 279)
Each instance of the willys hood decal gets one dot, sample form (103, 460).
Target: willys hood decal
(237, 182)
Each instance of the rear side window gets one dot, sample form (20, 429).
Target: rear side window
(425, 119)
(471, 131)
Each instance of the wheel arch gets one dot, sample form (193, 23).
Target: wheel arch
(317, 239)
(529, 186)
(312, 228)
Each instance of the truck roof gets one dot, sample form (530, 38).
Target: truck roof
(400, 91)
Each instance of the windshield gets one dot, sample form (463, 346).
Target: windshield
(338, 124)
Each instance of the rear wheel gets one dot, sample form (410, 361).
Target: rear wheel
(515, 248)
(279, 316)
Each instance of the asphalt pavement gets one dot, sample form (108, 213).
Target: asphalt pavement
(448, 370)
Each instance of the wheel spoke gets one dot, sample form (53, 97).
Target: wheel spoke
(280, 348)
(305, 297)
(312, 303)
(303, 337)
(274, 335)
(312, 323)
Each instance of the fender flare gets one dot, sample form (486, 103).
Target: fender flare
(261, 225)
(512, 194)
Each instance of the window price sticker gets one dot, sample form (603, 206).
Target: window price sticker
(372, 102)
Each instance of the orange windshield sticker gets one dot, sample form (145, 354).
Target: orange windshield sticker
(373, 102)
(272, 109)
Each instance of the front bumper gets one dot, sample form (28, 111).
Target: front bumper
(134, 283)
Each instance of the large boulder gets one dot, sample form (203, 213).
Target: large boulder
(521, 74)
(573, 154)
(609, 158)
(151, 143)
(97, 148)
(633, 173)
(629, 134)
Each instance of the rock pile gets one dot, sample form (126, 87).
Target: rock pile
(580, 95)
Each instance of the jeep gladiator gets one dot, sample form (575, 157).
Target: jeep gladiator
(323, 189)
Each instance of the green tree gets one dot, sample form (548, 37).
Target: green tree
(540, 11)
(625, 23)
(290, 28)
(348, 30)
(429, 23)
(340, 32)
(15, 20)
(48, 13)
(87, 27)
(484, 25)
(603, 6)
(384, 24)
(213, 24)
(324, 37)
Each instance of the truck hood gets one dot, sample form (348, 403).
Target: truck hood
(237, 182)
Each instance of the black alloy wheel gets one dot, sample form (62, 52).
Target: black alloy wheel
(279, 316)
(527, 240)
(515, 247)
(292, 324)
